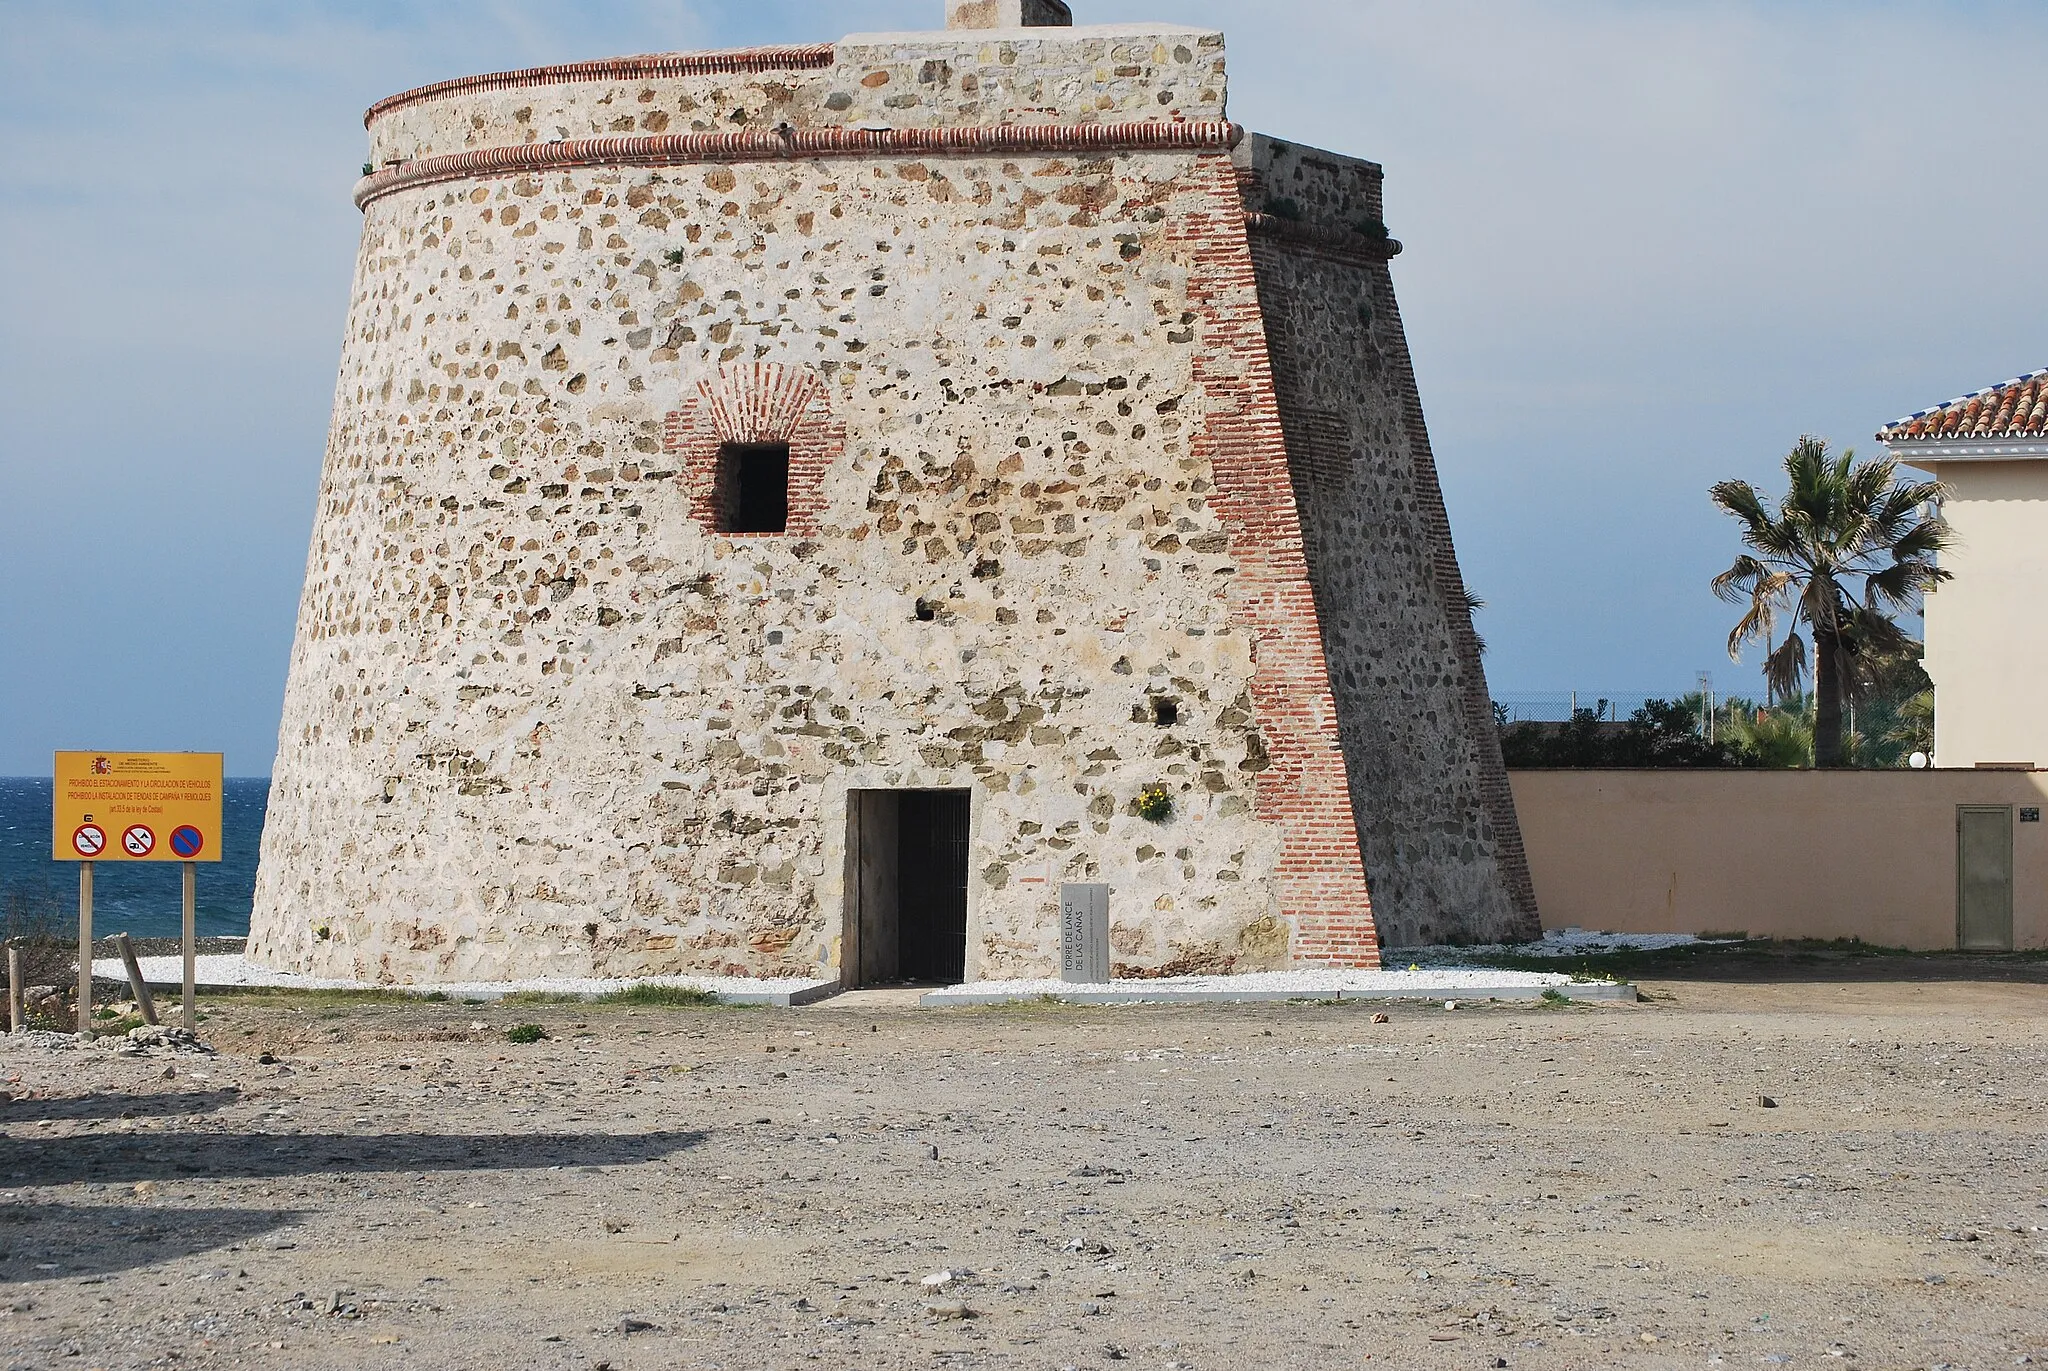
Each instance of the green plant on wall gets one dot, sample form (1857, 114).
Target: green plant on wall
(1155, 802)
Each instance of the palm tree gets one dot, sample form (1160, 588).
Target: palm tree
(1839, 523)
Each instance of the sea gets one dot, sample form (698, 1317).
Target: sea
(145, 899)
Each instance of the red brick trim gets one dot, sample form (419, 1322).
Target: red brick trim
(765, 402)
(658, 66)
(1324, 242)
(1305, 792)
(684, 149)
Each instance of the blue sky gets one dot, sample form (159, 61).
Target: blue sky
(1649, 244)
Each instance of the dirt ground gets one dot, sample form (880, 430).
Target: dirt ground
(1188, 1187)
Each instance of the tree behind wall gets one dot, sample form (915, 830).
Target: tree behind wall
(1846, 550)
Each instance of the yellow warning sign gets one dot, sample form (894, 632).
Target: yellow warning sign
(137, 807)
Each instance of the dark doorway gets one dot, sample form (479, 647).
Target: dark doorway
(906, 887)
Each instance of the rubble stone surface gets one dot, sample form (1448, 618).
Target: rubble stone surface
(1102, 476)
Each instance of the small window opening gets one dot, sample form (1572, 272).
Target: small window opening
(753, 481)
(926, 611)
(1165, 713)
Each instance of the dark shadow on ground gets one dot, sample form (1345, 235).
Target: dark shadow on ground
(54, 1242)
(119, 1106)
(1767, 962)
(240, 1156)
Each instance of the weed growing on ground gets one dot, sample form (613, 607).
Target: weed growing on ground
(526, 1033)
(662, 997)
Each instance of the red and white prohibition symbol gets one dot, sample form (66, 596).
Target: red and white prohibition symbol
(138, 841)
(89, 840)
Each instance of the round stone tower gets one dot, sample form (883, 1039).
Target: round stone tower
(789, 510)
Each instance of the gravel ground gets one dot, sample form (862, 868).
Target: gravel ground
(1278, 1186)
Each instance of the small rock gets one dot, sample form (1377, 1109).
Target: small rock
(630, 1325)
(939, 1280)
(1450, 1004)
(948, 1310)
(1381, 1018)
(1766, 1102)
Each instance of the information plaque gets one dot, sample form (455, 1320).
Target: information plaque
(1084, 934)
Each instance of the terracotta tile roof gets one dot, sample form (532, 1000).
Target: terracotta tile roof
(2016, 409)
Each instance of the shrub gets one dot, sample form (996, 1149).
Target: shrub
(1155, 803)
(662, 997)
(526, 1033)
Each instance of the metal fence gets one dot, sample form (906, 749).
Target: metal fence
(1562, 706)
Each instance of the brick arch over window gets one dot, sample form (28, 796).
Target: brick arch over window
(748, 406)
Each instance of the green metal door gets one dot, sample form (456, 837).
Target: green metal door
(1984, 878)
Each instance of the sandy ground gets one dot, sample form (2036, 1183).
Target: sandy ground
(1193, 1187)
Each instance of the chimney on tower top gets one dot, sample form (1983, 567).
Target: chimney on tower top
(1008, 14)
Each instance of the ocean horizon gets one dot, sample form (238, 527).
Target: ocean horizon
(145, 899)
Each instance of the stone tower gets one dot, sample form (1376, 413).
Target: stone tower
(786, 508)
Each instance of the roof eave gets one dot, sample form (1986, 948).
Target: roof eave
(1920, 451)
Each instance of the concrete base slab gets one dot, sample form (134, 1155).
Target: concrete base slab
(883, 997)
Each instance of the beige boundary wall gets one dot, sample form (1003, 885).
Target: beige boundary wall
(1783, 854)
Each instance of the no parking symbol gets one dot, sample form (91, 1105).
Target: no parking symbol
(186, 841)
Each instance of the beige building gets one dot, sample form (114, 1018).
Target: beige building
(1987, 650)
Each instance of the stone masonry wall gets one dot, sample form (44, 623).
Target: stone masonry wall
(542, 720)
(956, 79)
(1048, 394)
(1443, 851)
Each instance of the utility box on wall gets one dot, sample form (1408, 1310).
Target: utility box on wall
(1084, 934)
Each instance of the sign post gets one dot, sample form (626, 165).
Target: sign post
(85, 947)
(157, 807)
(191, 946)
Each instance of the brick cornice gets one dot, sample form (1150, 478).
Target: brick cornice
(657, 66)
(683, 149)
(1328, 242)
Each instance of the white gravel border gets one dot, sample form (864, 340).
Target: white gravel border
(1436, 983)
(226, 972)
(1431, 973)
